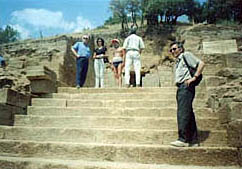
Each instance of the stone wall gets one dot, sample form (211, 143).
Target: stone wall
(35, 68)
(53, 53)
(22, 55)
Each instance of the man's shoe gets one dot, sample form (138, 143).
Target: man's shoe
(138, 85)
(179, 143)
(78, 86)
(194, 144)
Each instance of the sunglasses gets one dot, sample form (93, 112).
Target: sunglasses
(173, 49)
(84, 38)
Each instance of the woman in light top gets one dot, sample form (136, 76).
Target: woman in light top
(99, 65)
(118, 61)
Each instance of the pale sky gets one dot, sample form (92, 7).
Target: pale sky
(53, 17)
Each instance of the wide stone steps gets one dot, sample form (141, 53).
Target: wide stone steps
(107, 136)
(111, 96)
(111, 122)
(111, 128)
(72, 90)
(133, 153)
(39, 163)
(109, 111)
(115, 103)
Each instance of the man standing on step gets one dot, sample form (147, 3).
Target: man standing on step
(82, 52)
(187, 128)
(133, 46)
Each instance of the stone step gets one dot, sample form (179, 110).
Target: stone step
(145, 154)
(122, 90)
(40, 163)
(126, 103)
(108, 111)
(111, 96)
(111, 122)
(107, 136)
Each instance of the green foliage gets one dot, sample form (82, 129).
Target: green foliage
(220, 10)
(112, 21)
(8, 35)
(124, 11)
(168, 11)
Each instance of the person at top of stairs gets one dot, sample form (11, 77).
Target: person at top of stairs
(99, 65)
(118, 61)
(82, 52)
(187, 128)
(133, 46)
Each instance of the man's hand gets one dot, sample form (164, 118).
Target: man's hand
(188, 82)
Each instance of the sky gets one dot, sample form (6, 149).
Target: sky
(33, 18)
(51, 17)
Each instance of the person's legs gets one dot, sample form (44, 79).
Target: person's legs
(96, 69)
(84, 69)
(187, 129)
(102, 68)
(78, 72)
(128, 63)
(115, 71)
(137, 67)
(120, 68)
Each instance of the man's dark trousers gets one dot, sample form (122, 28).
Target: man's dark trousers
(81, 70)
(187, 128)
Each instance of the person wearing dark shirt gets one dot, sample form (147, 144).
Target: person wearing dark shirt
(99, 65)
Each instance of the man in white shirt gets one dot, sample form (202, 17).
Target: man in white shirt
(133, 46)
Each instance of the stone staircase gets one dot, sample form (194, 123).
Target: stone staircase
(111, 128)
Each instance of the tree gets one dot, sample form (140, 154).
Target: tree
(134, 7)
(8, 35)
(221, 10)
(168, 9)
(119, 9)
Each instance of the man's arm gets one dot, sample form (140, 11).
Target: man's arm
(199, 71)
(200, 68)
(74, 52)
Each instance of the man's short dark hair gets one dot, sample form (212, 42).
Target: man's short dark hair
(179, 45)
(132, 30)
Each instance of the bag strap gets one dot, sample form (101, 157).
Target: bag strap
(187, 64)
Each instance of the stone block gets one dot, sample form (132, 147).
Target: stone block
(40, 72)
(230, 73)
(43, 86)
(225, 46)
(16, 64)
(213, 81)
(235, 133)
(235, 112)
(6, 112)
(234, 60)
(223, 114)
(12, 97)
(151, 80)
